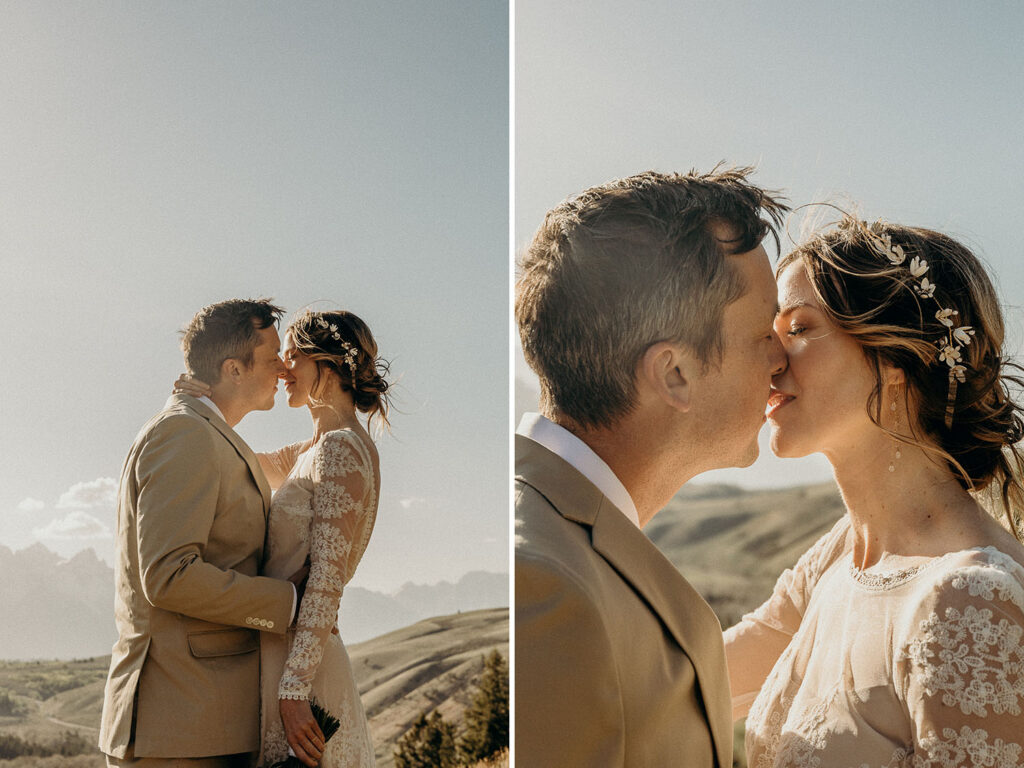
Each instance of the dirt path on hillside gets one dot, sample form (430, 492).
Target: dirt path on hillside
(66, 724)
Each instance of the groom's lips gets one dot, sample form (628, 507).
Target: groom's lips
(776, 401)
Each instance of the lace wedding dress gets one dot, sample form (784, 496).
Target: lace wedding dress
(325, 508)
(922, 668)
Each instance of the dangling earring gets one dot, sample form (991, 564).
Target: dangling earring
(895, 428)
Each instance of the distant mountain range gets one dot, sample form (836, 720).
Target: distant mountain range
(366, 614)
(54, 608)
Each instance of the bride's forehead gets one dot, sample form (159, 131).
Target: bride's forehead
(794, 287)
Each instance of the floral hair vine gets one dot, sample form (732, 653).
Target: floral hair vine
(957, 337)
(350, 352)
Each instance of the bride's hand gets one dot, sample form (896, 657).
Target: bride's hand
(300, 728)
(187, 385)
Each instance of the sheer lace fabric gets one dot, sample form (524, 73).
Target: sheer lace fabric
(278, 464)
(923, 668)
(325, 508)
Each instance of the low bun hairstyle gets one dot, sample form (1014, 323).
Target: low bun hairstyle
(876, 303)
(340, 342)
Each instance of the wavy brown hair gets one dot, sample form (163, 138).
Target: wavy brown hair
(313, 334)
(876, 303)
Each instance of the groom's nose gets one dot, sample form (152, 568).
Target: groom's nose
(779, 362)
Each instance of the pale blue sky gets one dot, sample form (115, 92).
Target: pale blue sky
(160, 156)
(911, 109)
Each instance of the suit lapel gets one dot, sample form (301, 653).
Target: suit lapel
(681, 609)
(232, 437)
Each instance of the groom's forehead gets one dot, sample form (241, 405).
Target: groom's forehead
(758, 302)
(268, 339)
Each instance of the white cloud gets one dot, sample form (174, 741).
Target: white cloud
(412, 501)
(30, 505)
(101, 492)
(75, 525)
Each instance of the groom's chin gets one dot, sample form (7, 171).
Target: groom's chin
(749, 457)
(741, 458)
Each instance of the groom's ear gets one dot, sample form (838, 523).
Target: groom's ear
(230, 370)
(667, 371)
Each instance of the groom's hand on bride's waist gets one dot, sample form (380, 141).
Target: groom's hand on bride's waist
(298, 580)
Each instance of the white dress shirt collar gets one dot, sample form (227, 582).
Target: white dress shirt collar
(212, 406)
(581, 456)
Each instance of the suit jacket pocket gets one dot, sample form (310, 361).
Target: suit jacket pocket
(223, 642)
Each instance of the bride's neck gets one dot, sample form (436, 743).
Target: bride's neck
(332, 413)
(915, 510)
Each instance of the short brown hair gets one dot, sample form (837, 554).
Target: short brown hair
(624, 265)
(225, 330)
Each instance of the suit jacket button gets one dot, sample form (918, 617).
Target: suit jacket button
(270, 625)
(248, 619)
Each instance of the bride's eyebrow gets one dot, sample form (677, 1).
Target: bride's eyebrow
(785, 309)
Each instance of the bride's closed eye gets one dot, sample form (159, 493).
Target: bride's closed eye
(795, 330)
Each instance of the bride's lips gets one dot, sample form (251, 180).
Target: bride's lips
(777, 401)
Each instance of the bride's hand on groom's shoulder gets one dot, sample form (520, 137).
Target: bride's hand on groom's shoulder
(300, 728)
(189, 385)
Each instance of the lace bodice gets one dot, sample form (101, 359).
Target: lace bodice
(325, 508)
(922, 668)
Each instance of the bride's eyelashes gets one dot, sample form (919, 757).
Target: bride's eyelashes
(796, 330)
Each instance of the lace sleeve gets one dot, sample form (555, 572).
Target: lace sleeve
(343, 507)
(277, 464)
(962, 668)
(754, 644)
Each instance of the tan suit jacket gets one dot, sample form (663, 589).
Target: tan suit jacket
(191, 524)
(619, 662)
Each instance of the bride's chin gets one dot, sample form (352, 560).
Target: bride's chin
(784, 448)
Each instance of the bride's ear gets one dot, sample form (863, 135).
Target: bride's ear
(893, 376)
(667, 371)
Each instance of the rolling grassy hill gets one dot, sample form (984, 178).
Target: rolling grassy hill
(732, 544)
(432, 664)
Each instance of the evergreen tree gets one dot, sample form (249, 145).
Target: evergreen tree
(9, 707)
(486, 719)
(430, 743)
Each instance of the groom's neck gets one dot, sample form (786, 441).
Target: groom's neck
(633, 450)
(231, 408)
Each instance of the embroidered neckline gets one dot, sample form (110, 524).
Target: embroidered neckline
(883, 580)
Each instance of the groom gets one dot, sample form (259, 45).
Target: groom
(645, 306)
(191, 524)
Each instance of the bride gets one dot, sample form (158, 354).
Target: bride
(898, 638)
(323, 510)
